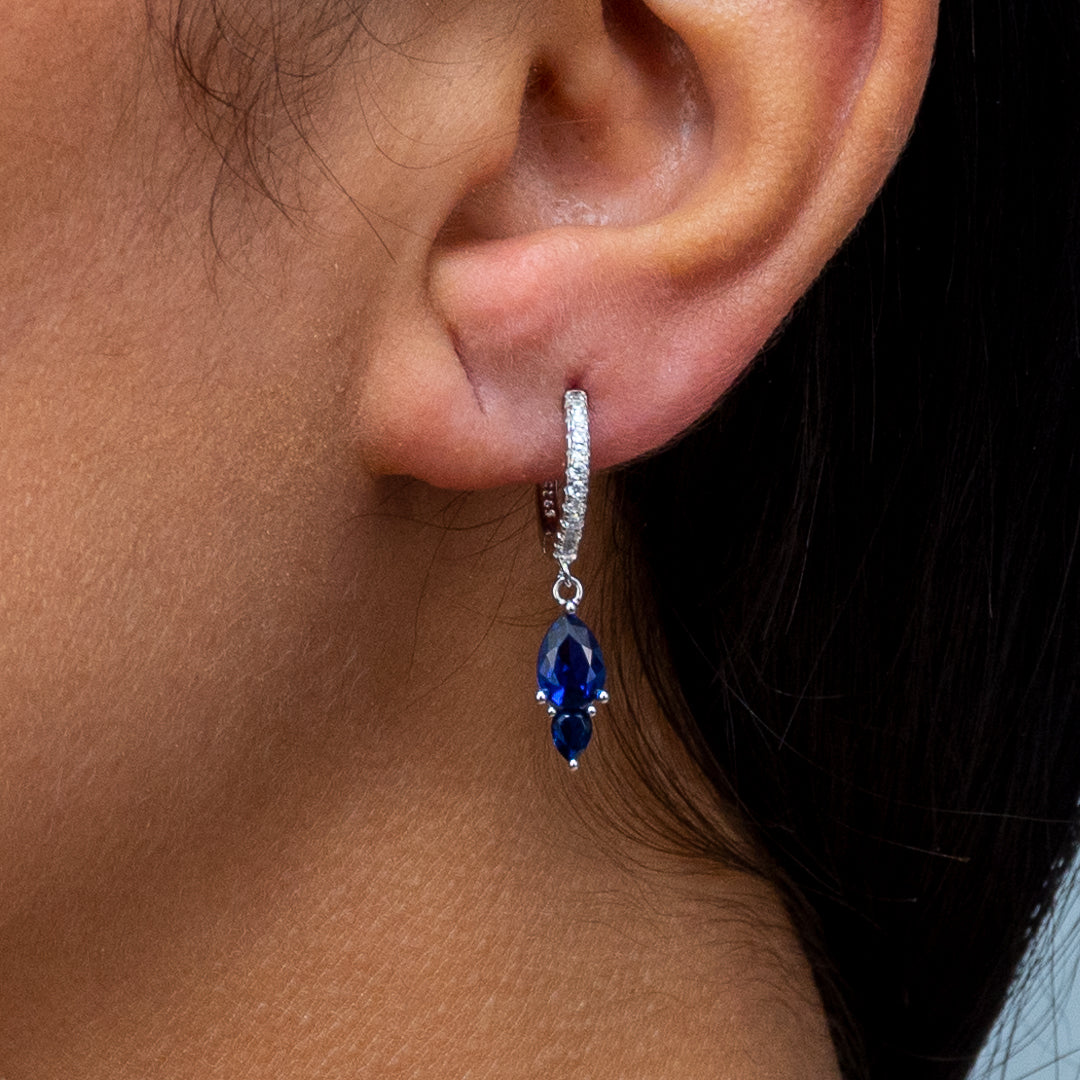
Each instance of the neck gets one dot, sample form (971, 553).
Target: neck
(392, 873)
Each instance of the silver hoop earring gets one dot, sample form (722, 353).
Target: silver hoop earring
(570, 673)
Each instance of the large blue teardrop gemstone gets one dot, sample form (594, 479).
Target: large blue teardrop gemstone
(570, 667)
(571, 732)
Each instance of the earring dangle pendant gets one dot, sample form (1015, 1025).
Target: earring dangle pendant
(570, 672)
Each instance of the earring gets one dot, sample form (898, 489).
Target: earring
(570, 673)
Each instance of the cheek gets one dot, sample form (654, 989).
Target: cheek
(69, 74)
(178, 502)
(173, 594)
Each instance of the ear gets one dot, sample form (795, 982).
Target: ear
(680, 172)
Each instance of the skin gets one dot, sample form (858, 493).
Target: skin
(274, 798)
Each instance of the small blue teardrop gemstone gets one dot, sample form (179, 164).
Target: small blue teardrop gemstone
(571, 732)
(570, 667)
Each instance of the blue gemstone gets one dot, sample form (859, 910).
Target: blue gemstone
(570, 667)
(571, 732)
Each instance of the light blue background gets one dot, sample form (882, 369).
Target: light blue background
(1043, 1019)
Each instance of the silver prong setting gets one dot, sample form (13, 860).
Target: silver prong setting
(552, 711)
(541, 697)
(603, 697)
(591, 710)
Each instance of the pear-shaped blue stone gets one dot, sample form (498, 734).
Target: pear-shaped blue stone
(570, 667)
(571, 732)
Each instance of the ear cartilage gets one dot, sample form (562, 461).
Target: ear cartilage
(570, 673)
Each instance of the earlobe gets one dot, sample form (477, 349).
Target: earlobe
(682, 172)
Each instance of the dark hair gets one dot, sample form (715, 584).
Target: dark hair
(862, 598)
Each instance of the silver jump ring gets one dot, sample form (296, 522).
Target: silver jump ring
(568, 581)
